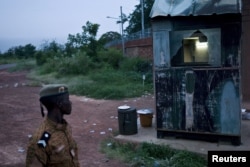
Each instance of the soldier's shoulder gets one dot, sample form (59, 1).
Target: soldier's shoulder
(38, 132)
(44, 139)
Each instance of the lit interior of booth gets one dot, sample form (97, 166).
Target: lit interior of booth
(195, 48)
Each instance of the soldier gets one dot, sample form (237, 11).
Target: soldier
(52, 144)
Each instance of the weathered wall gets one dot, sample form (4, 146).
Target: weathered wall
(245, 52)
(138, 48)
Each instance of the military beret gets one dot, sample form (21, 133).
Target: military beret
(53, 90)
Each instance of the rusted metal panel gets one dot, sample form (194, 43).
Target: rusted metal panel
(194, 7)
(203, 100)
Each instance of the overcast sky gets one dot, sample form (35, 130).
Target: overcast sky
(34, 21)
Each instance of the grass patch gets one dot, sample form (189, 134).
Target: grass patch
(23, 65)
(5, 60)
(95, 79)
(99, 84)
(148, 155)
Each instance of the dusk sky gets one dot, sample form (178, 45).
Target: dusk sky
(35, 21)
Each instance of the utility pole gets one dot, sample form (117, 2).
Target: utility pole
(122, 21)
(142, 18)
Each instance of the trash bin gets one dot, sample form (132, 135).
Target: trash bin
(127, 119)
(146, 116)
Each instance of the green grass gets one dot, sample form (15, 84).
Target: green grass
(102, 85)
(149, 155)
(4, 60)
(23, 65)
(99, 84)
(110, 76)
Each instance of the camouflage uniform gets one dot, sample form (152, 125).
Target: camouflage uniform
(60, 150)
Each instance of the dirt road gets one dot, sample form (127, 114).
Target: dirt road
(91, 120)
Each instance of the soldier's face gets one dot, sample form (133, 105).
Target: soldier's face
(66, 105)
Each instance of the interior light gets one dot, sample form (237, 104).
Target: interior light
(201, 45)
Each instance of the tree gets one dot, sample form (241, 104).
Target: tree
(19, 51)
(135, 18)
(85, 41)
(52, 46)
(29, 50)
(10, 52)
(108, 37)
(49, 50)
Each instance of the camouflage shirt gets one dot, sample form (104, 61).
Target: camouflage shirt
(52, 145)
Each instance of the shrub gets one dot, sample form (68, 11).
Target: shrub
(40, 58)
(75, 65)
(49, 67)
(112, 56)
(136, 64)
(104, 80)
(78, 64)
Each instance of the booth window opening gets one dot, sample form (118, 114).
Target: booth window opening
(196, 48)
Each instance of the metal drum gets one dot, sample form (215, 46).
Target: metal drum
(127, 119)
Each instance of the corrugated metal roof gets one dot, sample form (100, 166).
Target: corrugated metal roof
(194, 7)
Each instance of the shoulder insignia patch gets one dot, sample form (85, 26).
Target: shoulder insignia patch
(43, 141)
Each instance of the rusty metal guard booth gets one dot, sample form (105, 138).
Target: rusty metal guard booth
(196, 47)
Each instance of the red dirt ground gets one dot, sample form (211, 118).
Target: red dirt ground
(20, 116)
